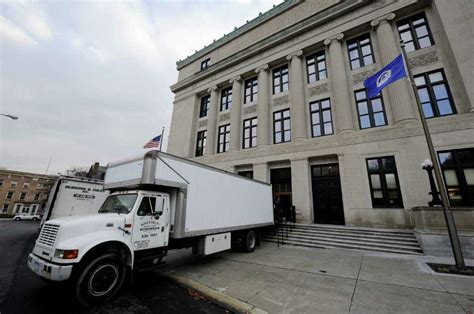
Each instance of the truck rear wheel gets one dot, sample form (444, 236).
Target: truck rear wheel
(250, 241)
(100, 279)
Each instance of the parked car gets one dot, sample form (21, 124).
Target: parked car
(26, 217)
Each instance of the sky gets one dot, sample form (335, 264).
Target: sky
(89, 80)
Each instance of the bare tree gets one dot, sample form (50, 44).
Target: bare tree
(77, 171)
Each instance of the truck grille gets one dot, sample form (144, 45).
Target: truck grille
(48, 234)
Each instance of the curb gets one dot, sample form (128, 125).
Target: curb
(215, 296)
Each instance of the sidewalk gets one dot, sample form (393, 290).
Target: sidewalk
(296, 280)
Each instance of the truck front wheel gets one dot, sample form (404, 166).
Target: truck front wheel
(100, 279)
(250, 241)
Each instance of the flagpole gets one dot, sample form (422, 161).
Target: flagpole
(162, 139)
(448, 214)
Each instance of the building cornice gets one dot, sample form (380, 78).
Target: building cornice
(317, 19)
(26, 174)
(239, 31)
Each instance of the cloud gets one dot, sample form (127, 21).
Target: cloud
(10, 31)
(96, 86)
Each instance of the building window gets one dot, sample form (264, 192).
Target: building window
(5, 208)
(226, 98)
(33, 209)
(321, 119)
(17, 208)
(39, 186)
(384, 184)
(281, 126)
(1, 182)
(250, 133)
(26, 185)
(415, 33)
(247, 174)
(37, 196)
(360, 52)
(371, 111)
(251, 90)
(205, 64)
(25, 209)
(204, 107)
(280, 79)
(458, 171)
(434, 94)
(316, 66)
(200, 143)
(9, 195)
(223, 139)
(13, 184)
(22, 195)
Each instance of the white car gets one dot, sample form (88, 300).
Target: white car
(27, 217)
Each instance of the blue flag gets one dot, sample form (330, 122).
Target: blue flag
(392, 72)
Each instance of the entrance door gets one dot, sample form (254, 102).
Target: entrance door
(327, 195)
(281, 185)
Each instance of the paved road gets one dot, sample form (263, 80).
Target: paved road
(21, 291)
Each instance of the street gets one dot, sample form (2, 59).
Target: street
(21, 291)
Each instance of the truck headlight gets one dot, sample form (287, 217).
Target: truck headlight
(66, 254)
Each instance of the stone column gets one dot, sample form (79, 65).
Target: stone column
(211, 122)
(297, 96)
(341, 99)
(398, 92)
(263, 106)
(236, 113)
(300, 186)
(261, 173)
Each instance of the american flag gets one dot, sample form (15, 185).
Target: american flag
(154, 142)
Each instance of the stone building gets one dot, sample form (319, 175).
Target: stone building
(281, 99)
(23, 192)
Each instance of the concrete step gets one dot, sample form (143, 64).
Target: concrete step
(347, 247)
(350, 228)
(394, 241)
(347, 243)
(407, 234)
(355, 238)
(354, 235)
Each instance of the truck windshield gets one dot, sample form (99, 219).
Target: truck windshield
(118, 204)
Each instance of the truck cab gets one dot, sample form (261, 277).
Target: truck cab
(128, 224)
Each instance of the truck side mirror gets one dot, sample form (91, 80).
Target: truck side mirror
(157, 215)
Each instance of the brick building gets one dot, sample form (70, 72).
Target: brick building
(23, 192)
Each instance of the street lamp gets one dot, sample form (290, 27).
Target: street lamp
(428, 166)
(9, 116)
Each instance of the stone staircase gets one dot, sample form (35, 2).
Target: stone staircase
(351, 238)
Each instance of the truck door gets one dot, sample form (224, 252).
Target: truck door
(151, 223)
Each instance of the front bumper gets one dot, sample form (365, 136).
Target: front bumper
(47, 270)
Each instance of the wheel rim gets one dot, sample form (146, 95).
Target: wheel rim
(252, 240)
(103, 279)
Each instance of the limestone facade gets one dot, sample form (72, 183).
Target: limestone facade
(289, 35)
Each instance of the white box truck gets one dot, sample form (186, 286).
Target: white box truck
(74, 196)
(158, 202)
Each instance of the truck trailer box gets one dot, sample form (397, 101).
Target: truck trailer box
(204, 200)
(74, 196)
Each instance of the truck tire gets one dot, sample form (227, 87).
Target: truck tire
(100, 279)
(250, 241)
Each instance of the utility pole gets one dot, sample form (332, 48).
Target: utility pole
(448, 214)
(47, 167)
